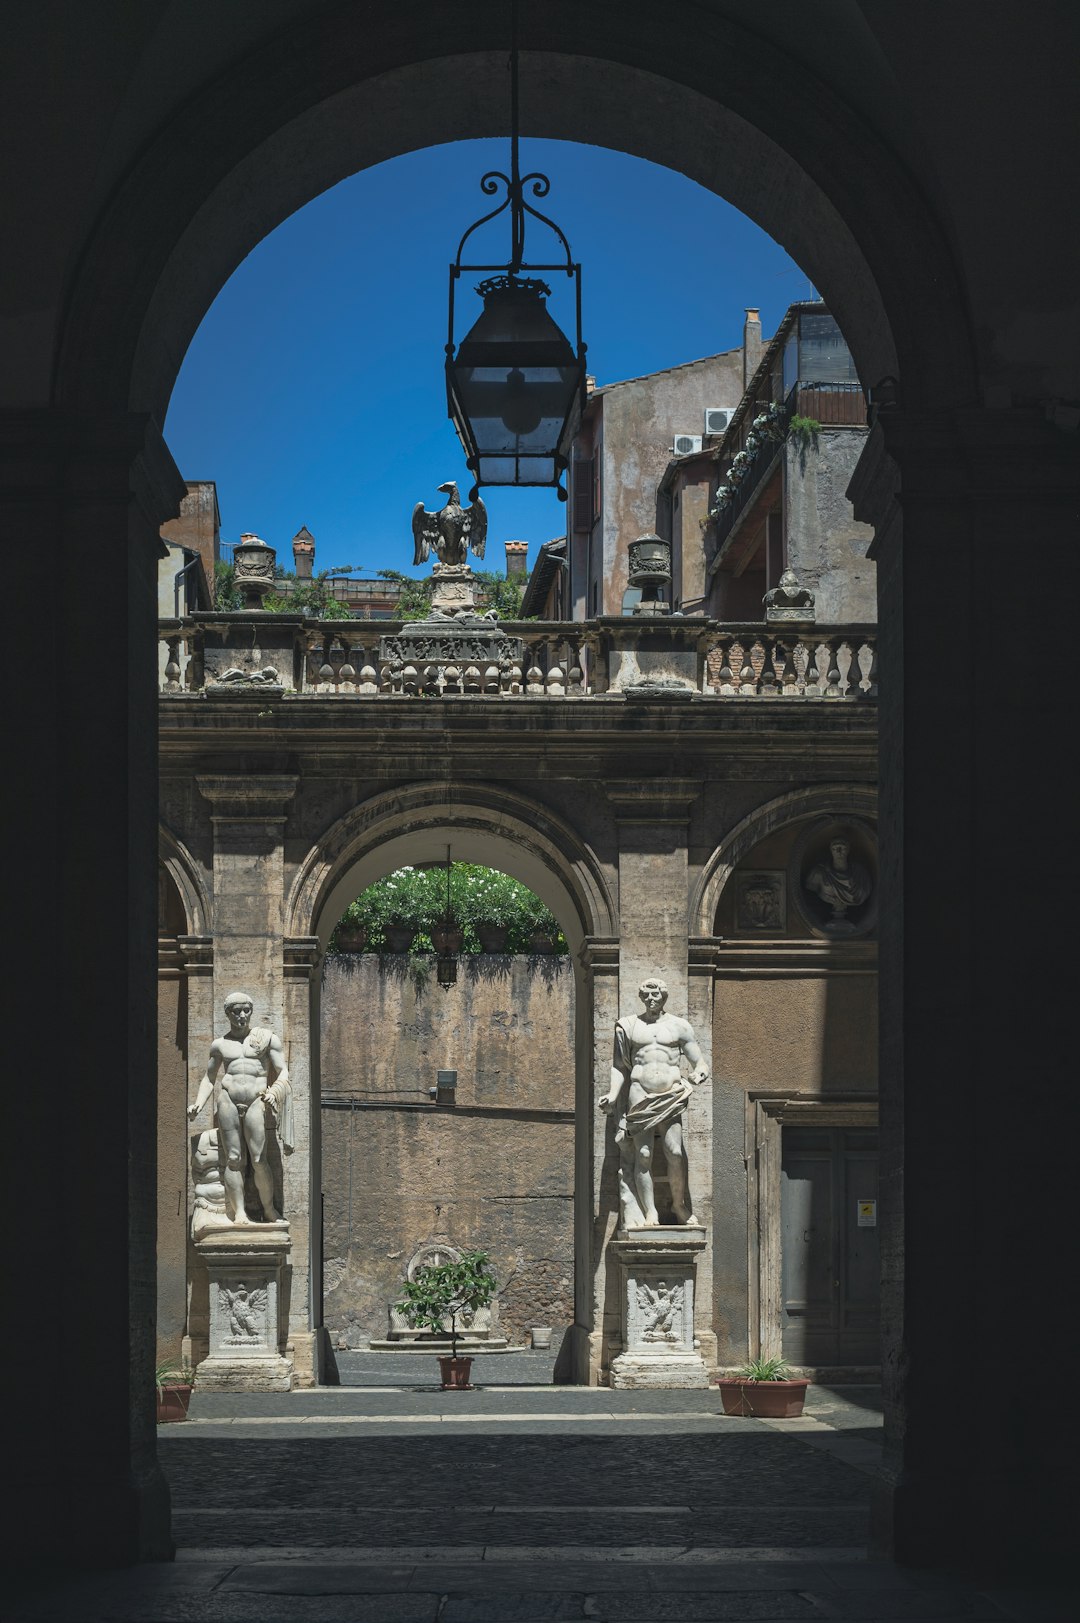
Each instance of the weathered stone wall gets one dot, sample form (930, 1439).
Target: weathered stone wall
(640, 418)
(826, 543)
(494, 1171)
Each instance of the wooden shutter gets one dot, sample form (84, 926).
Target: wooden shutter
(583, 495)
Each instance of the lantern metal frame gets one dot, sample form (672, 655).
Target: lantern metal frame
(510, 278)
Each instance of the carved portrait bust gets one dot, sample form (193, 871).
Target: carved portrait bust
(834, 877)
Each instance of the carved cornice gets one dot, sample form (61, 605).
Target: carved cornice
(798, 960)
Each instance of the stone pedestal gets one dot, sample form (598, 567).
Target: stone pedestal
(656, 1285)
(246, 1266)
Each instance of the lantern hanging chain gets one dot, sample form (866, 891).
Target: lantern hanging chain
(515, 183)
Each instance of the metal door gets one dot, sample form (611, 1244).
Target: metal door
(829, 1245)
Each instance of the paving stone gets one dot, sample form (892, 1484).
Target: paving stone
(514, 1606)
(735, 1606)
(911, 1604)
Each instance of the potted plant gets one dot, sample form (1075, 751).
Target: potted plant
(174, 1383)
(764, 1387)
(440, 1294)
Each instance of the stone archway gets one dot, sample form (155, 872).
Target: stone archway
(87, 443)
(496, 828)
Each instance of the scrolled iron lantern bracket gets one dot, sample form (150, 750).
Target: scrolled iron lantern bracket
(515, 386)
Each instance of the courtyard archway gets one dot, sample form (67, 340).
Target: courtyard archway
(805, 167)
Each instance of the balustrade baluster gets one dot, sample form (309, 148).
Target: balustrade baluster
(347, 673)
(871, 689)
(747, 679)
(832, 679)
(725, 676)
(491, 679)
(768, 669)
(555, 685)
(473, 681)
(534, 680)
(812, 685)
(172, 666)
(789, 680)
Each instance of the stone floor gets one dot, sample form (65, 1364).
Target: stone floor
(520, 1504)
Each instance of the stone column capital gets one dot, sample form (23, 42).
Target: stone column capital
(667, 800)
(301, 955)
(89, 457)
(242, 798)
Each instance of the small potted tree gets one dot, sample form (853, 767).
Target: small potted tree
(174, 1383)
(764, 1387)
(442, 1293)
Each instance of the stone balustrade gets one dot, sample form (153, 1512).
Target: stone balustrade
(291, 656)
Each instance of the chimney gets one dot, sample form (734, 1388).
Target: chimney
(516, 553)
(303, 551)
(751, 345)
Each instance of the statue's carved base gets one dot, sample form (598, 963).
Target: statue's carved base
(656, 1284)
(246, 1265)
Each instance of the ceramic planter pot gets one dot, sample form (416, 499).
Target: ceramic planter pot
(352, 940)
(492, 937)
(768, 1400)
(399, 937)
(541, 941)
(455, 1373)
(447, 938)
(541, 1335)
(173, 1398)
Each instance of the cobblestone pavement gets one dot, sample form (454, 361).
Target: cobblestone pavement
(515, 1505)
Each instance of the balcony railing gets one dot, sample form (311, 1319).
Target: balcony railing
(832, 405)
(237, 655)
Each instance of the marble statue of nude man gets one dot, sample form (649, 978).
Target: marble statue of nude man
(648, 1049)
(247, 1075)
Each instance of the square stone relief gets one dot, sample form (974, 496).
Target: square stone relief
(761, 901)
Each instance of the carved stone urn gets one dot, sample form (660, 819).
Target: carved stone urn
(253, 569)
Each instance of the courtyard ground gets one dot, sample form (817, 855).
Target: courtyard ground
(520, 1504)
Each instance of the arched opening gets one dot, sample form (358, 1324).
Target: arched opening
(447, 1094)
(490, 827)
(141, 286)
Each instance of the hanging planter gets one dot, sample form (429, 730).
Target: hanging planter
(399, 937)
(447, 936)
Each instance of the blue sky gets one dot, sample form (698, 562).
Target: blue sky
(313, 391)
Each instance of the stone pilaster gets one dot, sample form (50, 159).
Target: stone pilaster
(303, 1198)
(596, 1198)
(248, 814)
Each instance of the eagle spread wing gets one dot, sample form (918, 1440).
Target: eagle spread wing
(425, 529)
(475, 529)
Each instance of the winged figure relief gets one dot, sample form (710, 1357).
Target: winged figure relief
(244, 1309)
(452, 531)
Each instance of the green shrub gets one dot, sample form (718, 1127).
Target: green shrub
(478, 895)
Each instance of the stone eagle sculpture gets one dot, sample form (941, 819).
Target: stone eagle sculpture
(451, 531)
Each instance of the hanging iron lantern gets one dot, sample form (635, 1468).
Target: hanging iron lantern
(515, 386)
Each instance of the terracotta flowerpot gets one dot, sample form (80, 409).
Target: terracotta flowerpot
(455, 1373)
(172, 1401)
(768, 1400)
(447, 938)
(492, 937)
(399, 937)
(541, 941)
(354, 940)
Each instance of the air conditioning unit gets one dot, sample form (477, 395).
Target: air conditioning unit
(686, 444)
(717, 418)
